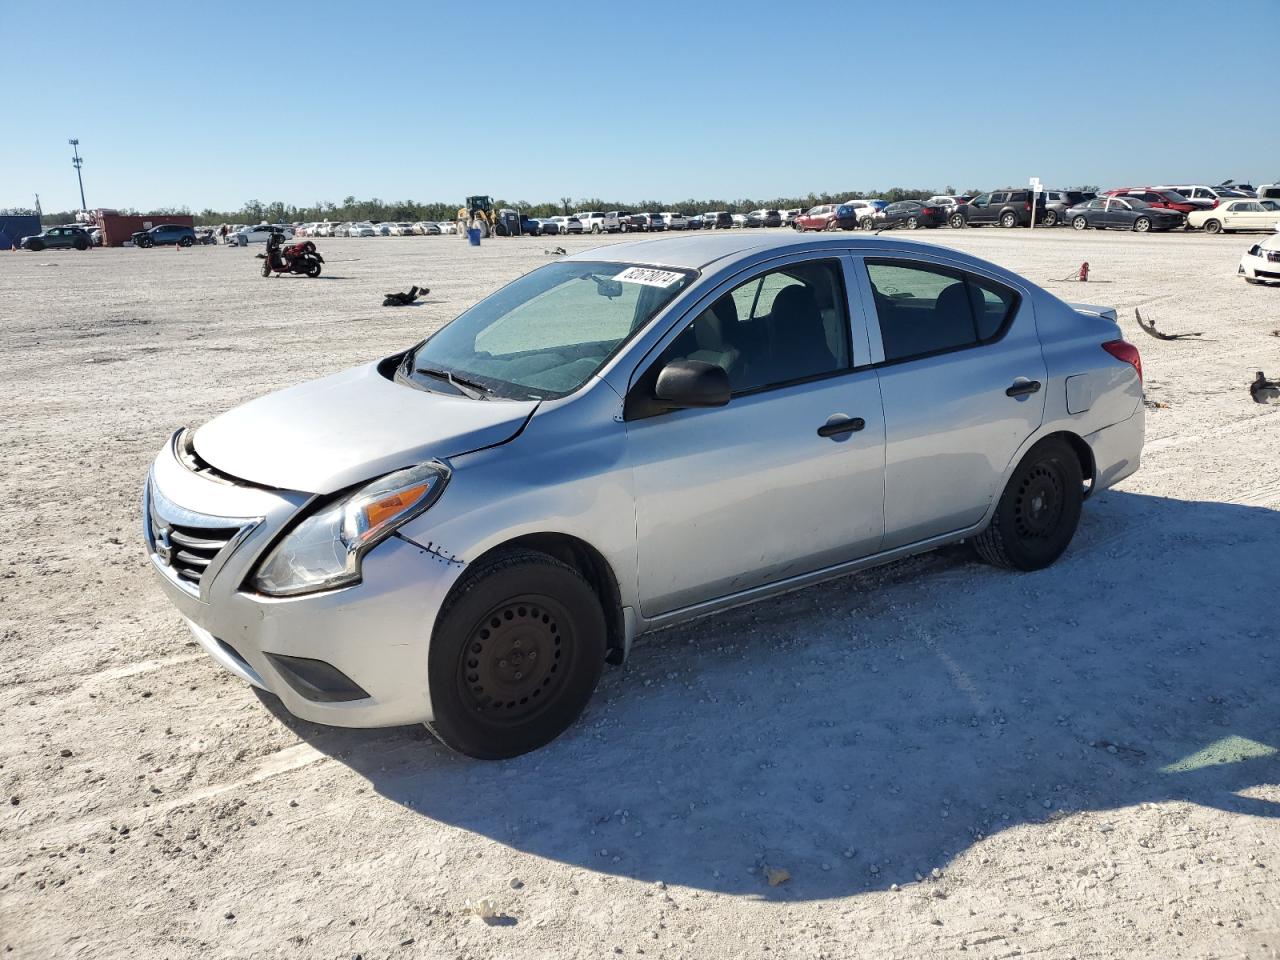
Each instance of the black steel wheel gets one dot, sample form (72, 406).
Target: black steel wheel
(1038, 512)
(515, 656)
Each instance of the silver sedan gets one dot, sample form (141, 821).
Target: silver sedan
(465, 532)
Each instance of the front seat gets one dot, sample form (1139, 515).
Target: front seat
(798, 336)
(714, 336)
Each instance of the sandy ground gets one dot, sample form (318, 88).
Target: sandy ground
(947, 760)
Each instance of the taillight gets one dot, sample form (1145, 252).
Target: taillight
(1026, 206)
(1216, 201)
(1125, 352)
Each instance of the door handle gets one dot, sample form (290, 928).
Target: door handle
(839, 426)
(1023, 388)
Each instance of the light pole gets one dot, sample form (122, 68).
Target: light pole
(76, 162)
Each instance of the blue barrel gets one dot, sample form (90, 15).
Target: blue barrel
(473, 236)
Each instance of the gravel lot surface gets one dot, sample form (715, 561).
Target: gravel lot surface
(940, 758)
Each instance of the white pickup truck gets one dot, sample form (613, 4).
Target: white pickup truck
(593, 221)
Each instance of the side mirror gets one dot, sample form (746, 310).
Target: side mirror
(692, 383)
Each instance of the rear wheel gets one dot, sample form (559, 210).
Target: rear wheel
(515, 656)
(913, 223)
(1079, 222)
(595, 228)
(1142, 225)
(185, 241)
(1008, 219)
(82, 244)
(1050, 218)
(866, 223)
(1038, 512)
(956, 221)
(1213, 226)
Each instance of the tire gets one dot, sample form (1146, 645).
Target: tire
(1008, 219)
(35, 246)
(1050, 218)
(313, 270)
(1141, 225)
(185, 241)
(831, 226)
(1079, 223)
(1252, 280)
(1213, 226)
(595, 228)
(913, 223)
(266, 268)
(1038, 512)
(866, 223)
(957, 221)
(81, 245)
(541, 606)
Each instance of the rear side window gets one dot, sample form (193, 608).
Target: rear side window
(924, 309)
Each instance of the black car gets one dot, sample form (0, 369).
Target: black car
(165, 234)
(693, 222)
(1009, 208)
(1123, 213)
(764, 218)
(58, 238)
(1058, 202)
(717, 221)
(910, 214)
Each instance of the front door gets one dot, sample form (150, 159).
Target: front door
(963, 387)
(980, 209)
(788, 477)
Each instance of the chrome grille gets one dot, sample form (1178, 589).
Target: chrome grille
(185, 549)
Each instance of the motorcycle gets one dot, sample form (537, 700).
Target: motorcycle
(296, 258)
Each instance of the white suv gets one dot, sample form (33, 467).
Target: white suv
(675, 221)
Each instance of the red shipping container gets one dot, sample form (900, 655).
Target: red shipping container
(118, 229)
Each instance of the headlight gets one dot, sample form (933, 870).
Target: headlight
(324, 551)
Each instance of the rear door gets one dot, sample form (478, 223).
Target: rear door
(734, 497)
(961, 376)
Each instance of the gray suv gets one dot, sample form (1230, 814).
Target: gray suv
(165, 234)
(59, 238)
(1008, 208)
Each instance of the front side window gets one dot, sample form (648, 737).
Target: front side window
(546, 334)
(980, 201)
(924, 309)
(780, 327)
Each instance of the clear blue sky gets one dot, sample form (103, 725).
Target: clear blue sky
(173, 104)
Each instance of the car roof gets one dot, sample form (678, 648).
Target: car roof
(701, 250)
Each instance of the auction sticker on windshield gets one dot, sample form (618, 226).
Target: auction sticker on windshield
(649, 277)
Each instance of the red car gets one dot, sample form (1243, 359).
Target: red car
(816, 218)
(1166, 199)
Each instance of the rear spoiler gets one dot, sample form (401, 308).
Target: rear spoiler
(1095, 310)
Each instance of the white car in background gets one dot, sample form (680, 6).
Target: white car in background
(361, 229)
(1231, 215)
(739, 219)
(593, 221)
(675, 221)
(1261, 262)
(426, 228)
(402, 230)
(448, 226)
(259, 233)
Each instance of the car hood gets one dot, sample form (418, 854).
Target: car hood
(322, 436)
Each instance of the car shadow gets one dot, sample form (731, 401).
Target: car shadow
(861, 731)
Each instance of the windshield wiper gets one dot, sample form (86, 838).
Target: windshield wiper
(468, 388)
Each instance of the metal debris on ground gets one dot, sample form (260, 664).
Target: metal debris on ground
(1149, 328)
(555, 252)
(404, 299)
(1263, 390)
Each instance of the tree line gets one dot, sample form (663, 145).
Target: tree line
(351, 209)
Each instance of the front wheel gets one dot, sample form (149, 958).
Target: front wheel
(956, 221)
(1079, 223)
(1141, 225)
(313, 269)
(1008, 219)
(516, 654)
(266, 267)
(1038, 512)
(913, 223)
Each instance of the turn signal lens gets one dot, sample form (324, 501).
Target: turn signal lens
(380, 511)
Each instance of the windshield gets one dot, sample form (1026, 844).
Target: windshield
(546, 334)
